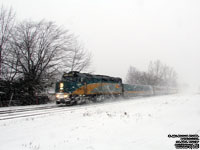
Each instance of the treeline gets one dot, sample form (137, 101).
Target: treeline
(33, 55)
(158, 74)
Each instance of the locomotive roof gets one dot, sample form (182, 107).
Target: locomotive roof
(87, 75)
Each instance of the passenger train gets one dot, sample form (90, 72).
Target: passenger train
(76, 87)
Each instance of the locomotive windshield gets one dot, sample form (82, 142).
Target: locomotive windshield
(70, 79)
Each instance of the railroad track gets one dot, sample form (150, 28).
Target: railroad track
(22, 113)
(37, 111)
(10, 111)
(29, 112)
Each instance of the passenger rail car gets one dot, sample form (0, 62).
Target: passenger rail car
(137, 90)
(159, 90)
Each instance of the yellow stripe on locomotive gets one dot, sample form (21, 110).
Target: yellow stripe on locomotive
(99, 88)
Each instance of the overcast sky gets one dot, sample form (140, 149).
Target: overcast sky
(120, 33)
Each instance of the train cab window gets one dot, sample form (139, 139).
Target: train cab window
(70, 79)
(104, 80)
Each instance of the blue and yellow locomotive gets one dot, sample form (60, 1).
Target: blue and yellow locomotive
(76, 87)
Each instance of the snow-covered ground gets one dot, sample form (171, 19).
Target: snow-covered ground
(139, 123)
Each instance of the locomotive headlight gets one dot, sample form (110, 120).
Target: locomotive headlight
(57, 95)
(62, 95)
(66, 95)
(61, 86)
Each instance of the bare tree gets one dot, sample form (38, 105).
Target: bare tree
(32, 54)
(133, 76)
(7, 20)
(170, 77)
(155, 72)
(161, 75)
(158, 74)
(38, 50)
(77, 59)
